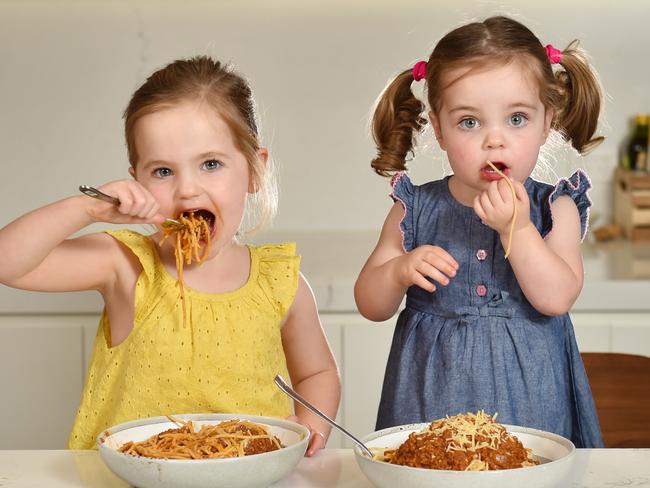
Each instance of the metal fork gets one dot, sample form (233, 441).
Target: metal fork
(95, 193)
(279, 381)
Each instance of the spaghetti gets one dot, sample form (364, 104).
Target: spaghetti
(228, 439)
(189, 239)
(514, 205)
(465, 442)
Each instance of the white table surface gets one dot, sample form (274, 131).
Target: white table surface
(335, 468)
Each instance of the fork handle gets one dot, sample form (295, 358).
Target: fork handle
(95, 193)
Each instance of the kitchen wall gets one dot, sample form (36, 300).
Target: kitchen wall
(69, 67)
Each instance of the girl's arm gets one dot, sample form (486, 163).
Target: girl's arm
(311, 365)
(389, 271)
(549, 271)
(34, 252)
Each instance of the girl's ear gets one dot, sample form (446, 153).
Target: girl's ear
(435, 123)
(132, 172)
(548, 120)
(263, 156)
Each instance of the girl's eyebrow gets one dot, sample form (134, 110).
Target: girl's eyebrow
(212, 154)
(155, 162)
(527, 105)
(469, 108)
(464, 108)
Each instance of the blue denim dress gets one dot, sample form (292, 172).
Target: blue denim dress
(478, 343)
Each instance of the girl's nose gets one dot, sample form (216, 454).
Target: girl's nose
(188, 187)
(494, 139)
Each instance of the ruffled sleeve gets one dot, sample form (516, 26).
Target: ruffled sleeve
(576, 187)
(279, 270)
(140, 245)
(403, 191)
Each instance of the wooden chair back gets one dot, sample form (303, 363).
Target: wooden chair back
(620, 384)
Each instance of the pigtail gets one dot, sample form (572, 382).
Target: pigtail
(578, 116)
(395, 124)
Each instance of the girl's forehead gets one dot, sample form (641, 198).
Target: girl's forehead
(180, 129)
(489, 80)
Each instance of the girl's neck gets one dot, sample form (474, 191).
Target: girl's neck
(461, 192)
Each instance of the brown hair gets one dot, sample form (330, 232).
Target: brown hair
(203, 79)
(573, 91)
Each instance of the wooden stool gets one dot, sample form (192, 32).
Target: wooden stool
(620, 384)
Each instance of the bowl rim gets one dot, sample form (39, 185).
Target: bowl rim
(271, 421)
(514, 429)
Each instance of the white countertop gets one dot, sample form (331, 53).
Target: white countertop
(331, 468)
(617, 276)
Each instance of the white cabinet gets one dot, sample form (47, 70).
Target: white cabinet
(41, 380)
(361, 348)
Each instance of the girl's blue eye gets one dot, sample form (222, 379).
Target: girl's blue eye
(469, 123)
(162, 172)
(518, 120)
(211, 164)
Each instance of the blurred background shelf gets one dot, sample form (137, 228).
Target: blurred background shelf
(632, 203)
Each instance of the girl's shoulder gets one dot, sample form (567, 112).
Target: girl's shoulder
(278, 273)
(402, 188)
(274, 251)
(276, 261)
(542, 195)
(141, 245)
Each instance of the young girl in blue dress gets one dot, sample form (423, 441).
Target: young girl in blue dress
(490, 265)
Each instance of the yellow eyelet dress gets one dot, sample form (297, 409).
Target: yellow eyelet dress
(223, 360)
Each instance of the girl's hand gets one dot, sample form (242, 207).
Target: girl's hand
(425, 262)
(317, 440)
(494, 206)
(137, 204)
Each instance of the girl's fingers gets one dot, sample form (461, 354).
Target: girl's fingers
(520, 191)
(505, 192)
(316, 443)
(150, 210)
(135, 201)
(423, 283)
(433, 252)
(488, 208)
(435, 273)
(494, 192)
(141, 200)
(443, 264)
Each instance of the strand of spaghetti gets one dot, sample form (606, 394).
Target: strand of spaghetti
(187, 245)
(514, 206)
(227, 439)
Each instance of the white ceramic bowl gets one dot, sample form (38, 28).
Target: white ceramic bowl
(553, 451)
(259, 470)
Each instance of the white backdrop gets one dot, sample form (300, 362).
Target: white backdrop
(69, 67)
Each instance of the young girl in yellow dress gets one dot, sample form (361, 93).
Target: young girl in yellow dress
(241, 316)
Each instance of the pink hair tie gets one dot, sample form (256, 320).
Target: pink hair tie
(554, 55)
(419, 70)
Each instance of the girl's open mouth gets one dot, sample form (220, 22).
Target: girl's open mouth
(488, 174)
(206, 215)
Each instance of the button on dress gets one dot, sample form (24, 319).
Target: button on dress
(478, 343)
